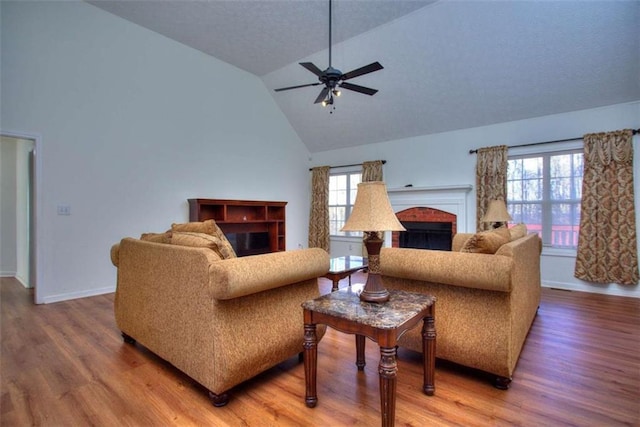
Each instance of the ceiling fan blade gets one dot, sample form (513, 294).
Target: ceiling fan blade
(296, 87)
(357, 88)
(322, 96)
(374, 66)
(311, 67)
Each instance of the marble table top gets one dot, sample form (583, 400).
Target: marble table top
(345, 303)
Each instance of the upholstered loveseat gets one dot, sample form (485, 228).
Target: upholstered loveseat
(219, 320)
(486, 301)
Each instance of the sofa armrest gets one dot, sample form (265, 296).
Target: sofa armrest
(242, 276)
(469, 270)
(115, 254)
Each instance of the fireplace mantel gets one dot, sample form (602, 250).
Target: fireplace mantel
(448, 198)
(433, 189)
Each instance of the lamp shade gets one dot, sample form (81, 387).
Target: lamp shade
(372, 210)
(497, 212)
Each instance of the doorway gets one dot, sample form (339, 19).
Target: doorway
(18, 227)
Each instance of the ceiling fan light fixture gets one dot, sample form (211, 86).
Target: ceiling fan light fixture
(333, 79)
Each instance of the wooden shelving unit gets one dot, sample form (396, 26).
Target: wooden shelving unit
(244, 216)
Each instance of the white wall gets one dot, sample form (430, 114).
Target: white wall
(444, 159)
(132, 125)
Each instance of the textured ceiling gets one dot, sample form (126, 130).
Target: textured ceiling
(447, 65)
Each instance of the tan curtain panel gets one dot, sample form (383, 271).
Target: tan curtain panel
(319, 216)
(372, 171)
(607, 246)
(491, 180)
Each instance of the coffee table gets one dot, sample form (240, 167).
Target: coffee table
(384, 323)
(344, 266)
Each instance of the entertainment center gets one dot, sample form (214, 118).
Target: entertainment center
(253, 227)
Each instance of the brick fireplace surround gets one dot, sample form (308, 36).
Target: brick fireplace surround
(423, 214)
(430, 204)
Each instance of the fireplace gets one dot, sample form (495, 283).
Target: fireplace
(427, 228)
(433, 204)
(426, 235)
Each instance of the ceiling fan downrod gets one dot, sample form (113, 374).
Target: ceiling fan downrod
(330, 33)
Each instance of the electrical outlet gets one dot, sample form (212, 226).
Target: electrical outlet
(64, 210)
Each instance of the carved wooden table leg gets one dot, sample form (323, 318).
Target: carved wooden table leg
(388, 370)
(360, 360)
(310, 364)
(429, 355)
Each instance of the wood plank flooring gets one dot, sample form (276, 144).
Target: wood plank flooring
(65, 364)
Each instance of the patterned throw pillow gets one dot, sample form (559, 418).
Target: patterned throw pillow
(518, 231)
(157, 237)
(208, 227)
(487, 242)
(197, 240)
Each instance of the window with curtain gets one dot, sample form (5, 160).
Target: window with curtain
(342, 195)
(544, 192)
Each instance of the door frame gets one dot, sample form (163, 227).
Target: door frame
(35, 263)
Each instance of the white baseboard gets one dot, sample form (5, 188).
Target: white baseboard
(7, 274)
(75, 295)
(594, 288)
(22, 281)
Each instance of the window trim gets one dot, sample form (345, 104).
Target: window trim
(346, 171)
(546, 153)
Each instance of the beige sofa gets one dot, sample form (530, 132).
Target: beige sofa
(486, 302)
(220, 321)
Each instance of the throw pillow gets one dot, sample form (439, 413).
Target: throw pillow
(197, 240)
(208, 227)
(225, 245)
(518, 231)
(156, 237)
(487, 242)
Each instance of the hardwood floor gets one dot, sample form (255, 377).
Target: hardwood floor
(65, 364)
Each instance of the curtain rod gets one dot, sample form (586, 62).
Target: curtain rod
(347, 166)
(635, 131)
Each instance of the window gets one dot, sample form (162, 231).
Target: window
(544, 192)
(342, 195)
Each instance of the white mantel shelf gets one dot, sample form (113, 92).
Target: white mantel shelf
(434, 188)
(447, 198)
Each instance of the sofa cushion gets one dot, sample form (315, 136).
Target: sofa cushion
(197, 240)
(208, 227)
(518, 231)
(487, 242)
(157, 237)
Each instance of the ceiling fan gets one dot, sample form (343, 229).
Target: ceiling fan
(333, 79)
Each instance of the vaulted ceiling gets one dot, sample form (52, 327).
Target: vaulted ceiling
(447, 64)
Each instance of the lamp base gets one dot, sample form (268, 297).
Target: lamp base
(374, 290)
(371, 294)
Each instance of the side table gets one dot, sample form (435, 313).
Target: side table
(384, 323)
(344, 266)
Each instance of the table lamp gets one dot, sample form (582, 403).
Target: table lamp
(371, 213)
(497, 213)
